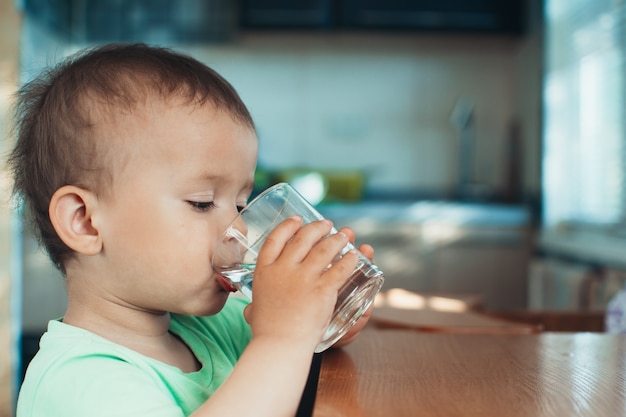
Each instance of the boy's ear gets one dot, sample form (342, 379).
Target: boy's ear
(71, 213)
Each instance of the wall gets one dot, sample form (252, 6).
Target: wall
(376, 103)
(381, 104)
(528, 98)
(9, 43)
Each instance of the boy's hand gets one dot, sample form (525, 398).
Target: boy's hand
(294, 293)
(294, 297)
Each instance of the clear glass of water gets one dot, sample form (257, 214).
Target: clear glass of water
(235, 256)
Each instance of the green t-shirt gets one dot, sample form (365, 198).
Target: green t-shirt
(79, 374)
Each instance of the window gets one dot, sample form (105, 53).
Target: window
(584, 165)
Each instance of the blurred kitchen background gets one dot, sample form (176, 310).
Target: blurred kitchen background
(478, 145)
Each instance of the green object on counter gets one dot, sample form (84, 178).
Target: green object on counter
(341, 185)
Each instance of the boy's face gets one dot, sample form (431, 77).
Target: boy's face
(188, 170)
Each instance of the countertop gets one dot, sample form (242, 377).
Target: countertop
(454, 213)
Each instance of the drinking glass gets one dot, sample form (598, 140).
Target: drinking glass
(235, 256)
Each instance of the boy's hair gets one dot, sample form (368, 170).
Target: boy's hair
(55, 114)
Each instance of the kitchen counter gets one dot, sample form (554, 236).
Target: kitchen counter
(585, 247)
(399, 372)
(441, 246)
(459, 214)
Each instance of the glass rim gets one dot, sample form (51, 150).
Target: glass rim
(263, 194)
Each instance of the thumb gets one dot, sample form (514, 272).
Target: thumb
(247, 313)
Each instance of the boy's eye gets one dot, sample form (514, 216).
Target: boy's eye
(201, 205)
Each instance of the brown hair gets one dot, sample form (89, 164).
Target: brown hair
(54, 117)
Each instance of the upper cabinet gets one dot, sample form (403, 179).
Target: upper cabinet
(152, 21)
(484, 16)
(288, 14)
(164, 21)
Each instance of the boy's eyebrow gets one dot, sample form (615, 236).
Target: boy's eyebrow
(212, 177)
(205, 177)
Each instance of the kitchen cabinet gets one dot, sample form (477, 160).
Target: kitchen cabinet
(287, 14)
(576, 270)
(220, 20)
(445, 247)
(441, 15)
(151, 21)
(486, 16)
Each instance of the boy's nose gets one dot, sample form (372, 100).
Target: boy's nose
(238, 230)
(231, 226)
(231, 244)
(235, 228)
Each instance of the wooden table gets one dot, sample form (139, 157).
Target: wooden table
(427, 320)
(398, 308)
(403, 372)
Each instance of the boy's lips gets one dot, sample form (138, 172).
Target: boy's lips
(225, 283)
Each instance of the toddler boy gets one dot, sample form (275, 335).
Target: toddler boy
(131, 161)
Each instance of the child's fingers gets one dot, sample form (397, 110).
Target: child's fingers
(292, 240)
(367, 251)
(247, 313)
(326, 251)
(341, 270)
(356, 329)
(348, 232)
(277, 239)
(305, 239)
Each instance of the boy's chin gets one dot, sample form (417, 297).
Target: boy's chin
(215, 305)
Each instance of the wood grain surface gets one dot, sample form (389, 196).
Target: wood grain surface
(430, 320)
(396, 373)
